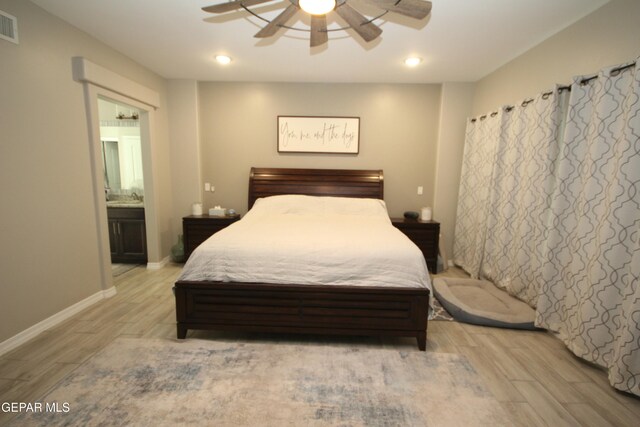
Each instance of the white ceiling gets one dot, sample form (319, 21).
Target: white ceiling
(462, 40)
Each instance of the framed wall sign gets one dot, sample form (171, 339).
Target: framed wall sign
(336, 135)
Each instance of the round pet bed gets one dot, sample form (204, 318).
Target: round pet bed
(480, 302)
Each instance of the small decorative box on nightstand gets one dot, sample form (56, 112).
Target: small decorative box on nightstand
(198, 228)
(425, 234)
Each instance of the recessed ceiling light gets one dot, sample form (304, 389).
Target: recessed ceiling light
(223, 59)
(412, 61)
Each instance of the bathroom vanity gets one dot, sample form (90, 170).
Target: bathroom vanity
(127, 234)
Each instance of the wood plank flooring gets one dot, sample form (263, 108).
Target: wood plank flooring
(534, 377)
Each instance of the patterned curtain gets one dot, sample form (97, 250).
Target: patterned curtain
(557, 223)
(521, 187)
(482, 137)
(590, 294)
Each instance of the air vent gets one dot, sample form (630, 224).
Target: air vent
(8, 27)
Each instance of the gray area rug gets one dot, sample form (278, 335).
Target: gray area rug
(147, 382)
(439, 312)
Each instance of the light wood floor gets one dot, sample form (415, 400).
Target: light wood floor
(537, 381)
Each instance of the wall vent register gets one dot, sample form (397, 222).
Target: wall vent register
(8, 27)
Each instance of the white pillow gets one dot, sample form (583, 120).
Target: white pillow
(354, 206)
(319, 205)
(287, 204)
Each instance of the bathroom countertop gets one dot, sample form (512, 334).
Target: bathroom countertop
(124, 204)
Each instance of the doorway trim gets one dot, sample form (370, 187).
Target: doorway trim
(100, 82)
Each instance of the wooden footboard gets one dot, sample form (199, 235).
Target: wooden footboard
(350, 310)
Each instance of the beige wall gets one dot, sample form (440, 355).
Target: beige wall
(608, 36)
(185, 149)
(398, 133)
(49, 255)
(455, 108)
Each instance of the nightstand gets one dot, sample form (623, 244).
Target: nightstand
(425, 234)
(198, 228)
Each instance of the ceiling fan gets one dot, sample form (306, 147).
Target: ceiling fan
(318, 9)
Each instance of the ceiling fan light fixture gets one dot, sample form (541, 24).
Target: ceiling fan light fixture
(223, 59)
(412, 61)
(317, 7)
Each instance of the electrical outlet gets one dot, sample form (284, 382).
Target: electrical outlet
(420, 190)
(207, 186)
(213, 189)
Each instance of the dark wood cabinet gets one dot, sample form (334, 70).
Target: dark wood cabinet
(425, 234)
(127, 235)
(198, 228)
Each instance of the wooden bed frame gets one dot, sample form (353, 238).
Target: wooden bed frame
(291, 308)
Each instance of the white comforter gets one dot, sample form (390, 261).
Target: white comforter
(311, 240)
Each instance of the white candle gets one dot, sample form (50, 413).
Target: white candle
(426, 214)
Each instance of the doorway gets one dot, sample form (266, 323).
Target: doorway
(100, 82)
(122, 163)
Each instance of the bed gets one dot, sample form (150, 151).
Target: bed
(308, 286)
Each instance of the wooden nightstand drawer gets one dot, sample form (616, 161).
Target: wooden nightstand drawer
(198, 228)
(425, 234)
(198, 233)
(421, 236)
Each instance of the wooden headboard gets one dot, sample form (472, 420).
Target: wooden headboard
(265, 182)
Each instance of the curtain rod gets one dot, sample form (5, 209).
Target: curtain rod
(495, 113)
(613, 73)
(545, 95)
(584, 81)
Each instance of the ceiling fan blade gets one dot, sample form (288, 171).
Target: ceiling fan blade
(319, 35)
(361, 25)
(237, 4)
(272, 27)
(417, 9)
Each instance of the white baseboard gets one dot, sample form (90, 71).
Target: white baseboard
(50, 322)
(158, 265)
